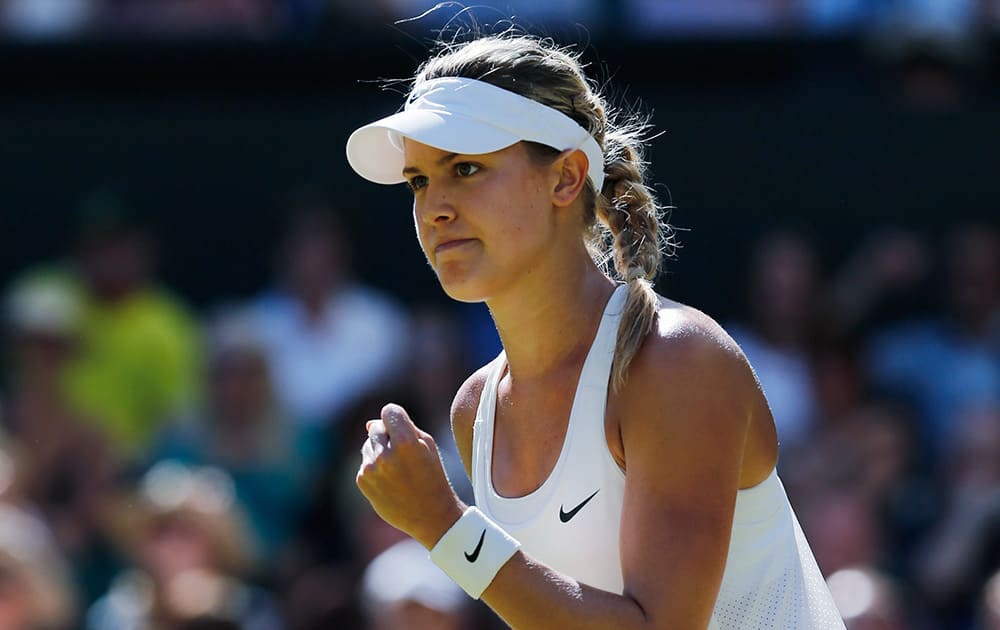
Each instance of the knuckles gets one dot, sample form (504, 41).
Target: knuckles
(367, 470)
(393, 460)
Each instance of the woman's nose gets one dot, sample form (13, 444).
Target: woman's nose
(435, 208)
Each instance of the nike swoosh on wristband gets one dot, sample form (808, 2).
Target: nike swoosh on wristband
(472, 557)
(565, 516)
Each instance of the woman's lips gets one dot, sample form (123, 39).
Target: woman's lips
(452, 244)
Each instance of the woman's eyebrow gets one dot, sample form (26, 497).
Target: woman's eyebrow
(447, 157)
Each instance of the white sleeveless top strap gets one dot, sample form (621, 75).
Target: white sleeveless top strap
(566, 521)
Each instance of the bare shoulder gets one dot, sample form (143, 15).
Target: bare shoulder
(696, 382)
(689, 358)
(686, 338)
(466, 401)
(463, 412)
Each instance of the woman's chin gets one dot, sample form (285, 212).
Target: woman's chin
(463, 290)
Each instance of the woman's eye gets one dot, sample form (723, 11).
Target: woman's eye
(417, 182)
(465, 169)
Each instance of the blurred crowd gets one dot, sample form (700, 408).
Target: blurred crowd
(274, 18)
(166, 467)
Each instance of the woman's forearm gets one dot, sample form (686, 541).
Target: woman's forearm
(529, 595)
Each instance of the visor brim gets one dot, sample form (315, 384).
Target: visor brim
(372, 153)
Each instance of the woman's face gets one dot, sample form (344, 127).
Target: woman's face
(484, 221)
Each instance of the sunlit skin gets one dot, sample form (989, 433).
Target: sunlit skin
(487, 222)
(690, 427)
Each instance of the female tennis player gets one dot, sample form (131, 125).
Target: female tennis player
(620, 448)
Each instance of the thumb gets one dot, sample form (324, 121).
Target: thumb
(398, 424)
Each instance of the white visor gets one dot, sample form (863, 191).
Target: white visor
(469, 117)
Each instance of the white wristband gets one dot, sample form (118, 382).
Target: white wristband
(472, 551)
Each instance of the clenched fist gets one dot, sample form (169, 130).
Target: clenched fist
(402, 476)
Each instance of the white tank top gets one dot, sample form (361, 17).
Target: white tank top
(771, 579)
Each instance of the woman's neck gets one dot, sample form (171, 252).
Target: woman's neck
(545, 326)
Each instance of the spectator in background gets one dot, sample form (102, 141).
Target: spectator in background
(36, 587)
(881, 281)
(781, 296)
(341, 588)
(963, 548)
(843, 530)
(61, 464)
(240, 428)
(188, 551)
(434, 367)
(402, 588)
(138, 350)
(950, 360)
(868, 599)
(869, 460)
(436, 370)
(330, 338)
(343, 535)
(879, 441)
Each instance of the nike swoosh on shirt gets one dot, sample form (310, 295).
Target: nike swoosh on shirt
(472, 557)
(565, 516)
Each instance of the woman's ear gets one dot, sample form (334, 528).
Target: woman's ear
(571, 168)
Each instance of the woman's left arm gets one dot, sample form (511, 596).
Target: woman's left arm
(683, 419)
(683, 432)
